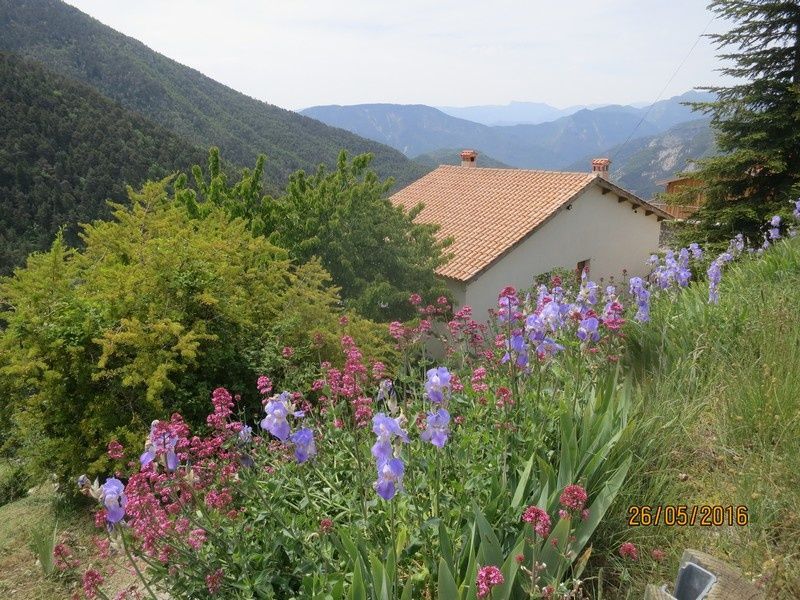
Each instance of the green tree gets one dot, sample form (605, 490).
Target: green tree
(373, 250)
(159, 308)
(756, 119)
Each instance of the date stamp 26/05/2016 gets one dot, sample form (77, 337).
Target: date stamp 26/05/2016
(682, 515)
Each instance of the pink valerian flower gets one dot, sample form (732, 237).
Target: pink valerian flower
(115, 450)
(197, 537)
(103, 545)
(223, 408)
(343, 320)
(415, 299)
(214, 581)
(658, 554)
(378, 370)
(338, 423)
(92, 580)
(539, 520)
(325, 526)
(459, 420)
(504, 397)
(519, 559)
(573, 497)
(218, 499)
(318, 385)
(455, 383)
(62, 555)
(287, 352)
(628, 550)
(362, 410)
(477, 380)
(264, 385)
(488, 577)
(397, 330)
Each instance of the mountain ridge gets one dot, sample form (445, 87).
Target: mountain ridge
(203, 111)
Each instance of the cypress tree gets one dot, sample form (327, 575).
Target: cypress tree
(756, 120)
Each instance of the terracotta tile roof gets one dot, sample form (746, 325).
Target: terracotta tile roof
(488, 211)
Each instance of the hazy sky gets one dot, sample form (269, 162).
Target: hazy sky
(299, 53)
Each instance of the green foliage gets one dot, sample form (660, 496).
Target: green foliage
(717, 395)
(66, 150)
(156, 311)
(14, 481)
(191, 105)
(43, 541)
(376, 255)
(459, 510)
(757, 121)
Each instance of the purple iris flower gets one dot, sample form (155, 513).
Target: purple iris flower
(587, 330)
(114, 499)
(437, 387)
(535, 327)
(386, 429)
(275, 422)
(438, 428)
(160, 442)
(548, 348)
(390, 478)
(246, 434)
(304, 446)
(775, 228)
(714, 277)
(796, 211)
(697, 252)
(736, 245)
(552, 315)
(639, 290)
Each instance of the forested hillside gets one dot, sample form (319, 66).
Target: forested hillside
(192, 105)
(64, 151)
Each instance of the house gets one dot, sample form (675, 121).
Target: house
(509, 225)
(692, 196)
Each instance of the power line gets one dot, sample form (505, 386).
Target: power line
(664, 89)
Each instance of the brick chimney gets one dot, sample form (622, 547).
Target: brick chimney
(468, 158)
(600, 166)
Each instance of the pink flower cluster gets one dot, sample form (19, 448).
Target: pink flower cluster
(539, 520)
(477, 380)
(628, 550)
(487, 578)
(115, 450)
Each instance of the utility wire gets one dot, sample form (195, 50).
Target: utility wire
(664, 89)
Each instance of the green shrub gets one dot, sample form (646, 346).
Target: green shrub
(160, 308)
(13, 481)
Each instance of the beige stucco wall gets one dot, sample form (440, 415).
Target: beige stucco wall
(610, 233)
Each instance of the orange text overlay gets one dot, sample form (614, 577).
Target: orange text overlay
(681, 515)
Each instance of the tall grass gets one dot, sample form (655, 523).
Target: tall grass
(718, 396)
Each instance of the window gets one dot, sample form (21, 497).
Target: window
(583, 266)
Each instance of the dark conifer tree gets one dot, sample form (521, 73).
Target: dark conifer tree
(756, 119)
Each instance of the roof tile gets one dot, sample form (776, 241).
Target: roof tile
(487, 211)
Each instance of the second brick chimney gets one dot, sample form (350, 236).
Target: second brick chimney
(468, 158)
(600, 166)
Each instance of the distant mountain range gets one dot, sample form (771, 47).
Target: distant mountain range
(557, 144)
(642, 163)
(514, 113)
(199, 109)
